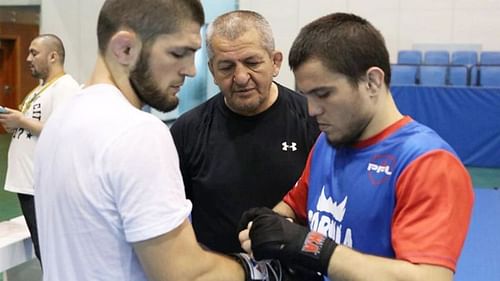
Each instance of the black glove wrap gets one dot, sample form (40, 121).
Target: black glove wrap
(274, 237)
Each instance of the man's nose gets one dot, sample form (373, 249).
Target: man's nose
(241, 75)
(314, 108)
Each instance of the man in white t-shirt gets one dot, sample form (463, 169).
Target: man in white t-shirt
(46, 62)
(110, 199)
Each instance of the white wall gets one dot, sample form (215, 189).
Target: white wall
(403, 23)
(75, 21)
(19, 2)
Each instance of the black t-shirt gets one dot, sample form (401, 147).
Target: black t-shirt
(231, 163)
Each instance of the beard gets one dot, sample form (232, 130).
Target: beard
(147, 89)
(40, 74)
(352, 137)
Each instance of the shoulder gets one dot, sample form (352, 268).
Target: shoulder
(67, 81)
(198, 115)
(66, 86)
(422, 139)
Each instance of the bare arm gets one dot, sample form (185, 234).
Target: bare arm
(16, 119)
(177, 256)
(344, 264)
(347, 264)
(285, 210)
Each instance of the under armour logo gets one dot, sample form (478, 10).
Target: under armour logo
(286, 146)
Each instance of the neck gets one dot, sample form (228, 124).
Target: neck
(55, 72)
(109, 73)
(386, 114)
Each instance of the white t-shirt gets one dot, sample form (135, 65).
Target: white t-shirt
(106, 175)
(19, 177)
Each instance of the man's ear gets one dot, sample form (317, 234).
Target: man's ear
(277, 58)
(375, 78)
(53, 57)
(125, 47)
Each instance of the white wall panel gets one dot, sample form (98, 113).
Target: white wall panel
(425, 26)
(19, 2)
(426, 5)
(479, 27)
(403, 23)
(311, 10)
(478, 5)
(75, 22)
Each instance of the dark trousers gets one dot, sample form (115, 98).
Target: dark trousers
(28, 208)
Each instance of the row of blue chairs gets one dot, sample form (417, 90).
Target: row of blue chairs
(446, 75)
(442, 57)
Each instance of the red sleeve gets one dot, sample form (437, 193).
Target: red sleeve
(296, 198)
(433, 210)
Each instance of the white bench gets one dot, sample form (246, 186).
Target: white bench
(15, 243)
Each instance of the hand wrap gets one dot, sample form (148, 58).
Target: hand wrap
(274, 237)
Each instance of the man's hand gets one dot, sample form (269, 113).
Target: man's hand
(11, 120)
(271, 236)
(245, 224)
(15, 119)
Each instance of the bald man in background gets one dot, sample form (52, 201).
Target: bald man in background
(46, 62)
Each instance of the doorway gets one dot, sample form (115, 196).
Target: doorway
(8, 73)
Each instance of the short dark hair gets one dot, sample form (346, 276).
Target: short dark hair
(345, 43)
(147, 18)
(54, 44)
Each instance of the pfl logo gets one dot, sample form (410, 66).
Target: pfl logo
(286, 146)
(380, 168)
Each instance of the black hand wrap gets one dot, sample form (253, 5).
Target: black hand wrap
(250, 214)
(274, 237)
(266, 270)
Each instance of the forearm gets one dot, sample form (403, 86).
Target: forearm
(178, 256)
(347, 264)
(32, 125)
(275, 237)
(211, 267)
(285, 210)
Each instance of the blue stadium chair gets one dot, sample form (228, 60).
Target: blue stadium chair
(409, 57)
(489, 58)
(403, 74)
(433, 75)
(437, 57)
(474, 70)
(489, 76)
(464, 58)
(457, 75)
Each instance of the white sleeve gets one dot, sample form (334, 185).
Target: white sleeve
(142, 169)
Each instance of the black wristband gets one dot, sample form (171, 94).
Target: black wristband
(274, 237)
(316, 252)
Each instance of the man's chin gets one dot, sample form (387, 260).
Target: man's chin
(166, 107)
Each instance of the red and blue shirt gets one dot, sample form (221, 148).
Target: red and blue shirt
(401, 194)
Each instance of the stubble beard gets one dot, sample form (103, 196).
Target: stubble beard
(147, 89)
